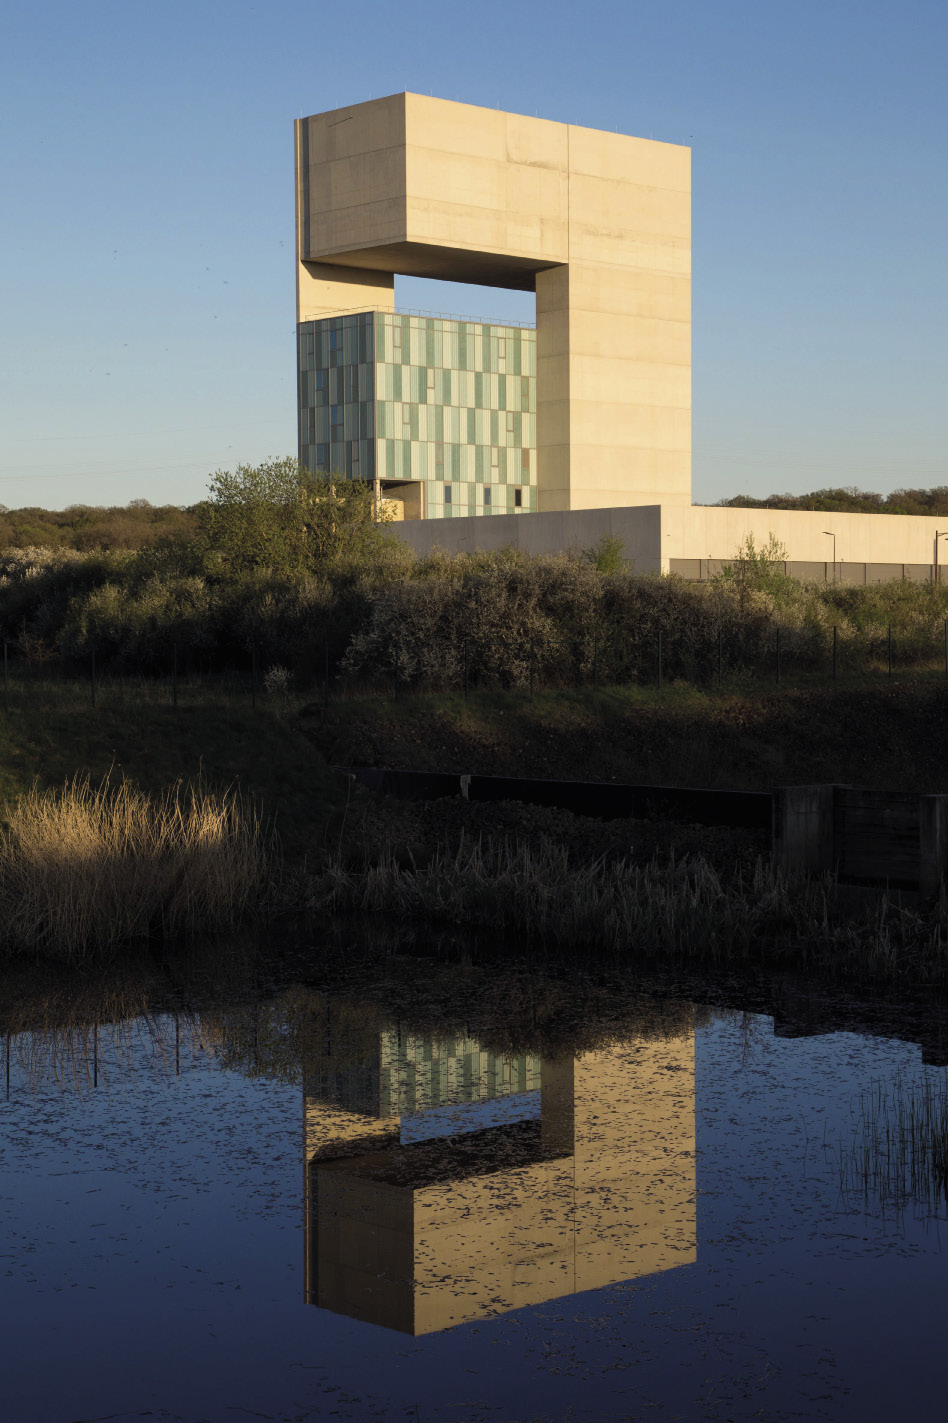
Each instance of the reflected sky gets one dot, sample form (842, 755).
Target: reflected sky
(653, 1228)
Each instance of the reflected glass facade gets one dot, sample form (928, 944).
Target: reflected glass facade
(442, 411)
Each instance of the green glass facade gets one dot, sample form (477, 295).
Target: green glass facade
(442, 406)
(402, 1073)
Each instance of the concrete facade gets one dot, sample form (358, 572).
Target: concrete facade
(427, 1236)
(598, 224)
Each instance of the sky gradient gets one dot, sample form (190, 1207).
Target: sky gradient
(146, 221)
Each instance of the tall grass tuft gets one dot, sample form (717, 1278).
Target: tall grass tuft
(87, 868)
(898, 1155)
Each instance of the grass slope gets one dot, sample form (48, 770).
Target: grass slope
(154, 746)
(889, 737)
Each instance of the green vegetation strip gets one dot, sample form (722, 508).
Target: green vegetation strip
(682, 911)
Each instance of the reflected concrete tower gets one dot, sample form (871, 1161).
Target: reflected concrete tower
(424, 1235)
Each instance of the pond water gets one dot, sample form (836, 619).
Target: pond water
(514, 1198)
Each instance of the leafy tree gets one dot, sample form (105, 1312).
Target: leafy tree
(759, 570)
(607, 555)
(283, 517)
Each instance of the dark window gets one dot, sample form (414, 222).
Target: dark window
(518, 498)
(447, 494)
(333, 340)
(487, 494)
(319, 380)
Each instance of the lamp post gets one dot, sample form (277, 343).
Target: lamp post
(832, 536)
(937, 570)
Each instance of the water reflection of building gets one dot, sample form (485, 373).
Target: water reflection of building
(421, 1235)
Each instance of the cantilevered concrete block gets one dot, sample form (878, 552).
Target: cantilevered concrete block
(598, 224)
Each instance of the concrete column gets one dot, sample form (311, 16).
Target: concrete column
(557, 1110)
(803, 828)
(932, 845)
(553, 403)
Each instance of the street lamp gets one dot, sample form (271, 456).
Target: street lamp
(832, 536)
(937, 537)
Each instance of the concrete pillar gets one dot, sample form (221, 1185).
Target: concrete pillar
(932, 845)
(803, 837)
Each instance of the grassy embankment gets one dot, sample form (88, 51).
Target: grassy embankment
(528, 871)
(134, 820)
(272, 571)
(688, 893)
(880, 734)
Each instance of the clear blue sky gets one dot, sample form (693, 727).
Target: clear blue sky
(146, 220)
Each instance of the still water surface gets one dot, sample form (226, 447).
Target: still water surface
(323, 1204)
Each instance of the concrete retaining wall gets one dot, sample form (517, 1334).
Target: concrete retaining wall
(695, 542)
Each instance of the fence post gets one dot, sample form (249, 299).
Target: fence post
(93, 676)
(253, 672)
(834, 652)
(659, 659)
(174, 675)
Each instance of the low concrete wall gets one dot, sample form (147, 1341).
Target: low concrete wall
(564, 531)
(710, 532)
(694, 542)
(602, 800)
(877, 838)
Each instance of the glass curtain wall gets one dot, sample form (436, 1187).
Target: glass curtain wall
(445, 403)
(337, 395)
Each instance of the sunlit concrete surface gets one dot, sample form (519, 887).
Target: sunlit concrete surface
(598, 224)
(426, 1236)
(695, 541)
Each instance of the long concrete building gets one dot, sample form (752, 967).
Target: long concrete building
(480, 434)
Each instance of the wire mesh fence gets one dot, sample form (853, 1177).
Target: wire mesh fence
(601, 660)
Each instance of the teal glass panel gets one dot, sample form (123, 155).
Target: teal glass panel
(423, 398)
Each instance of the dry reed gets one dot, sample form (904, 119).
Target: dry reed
(87, 868)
